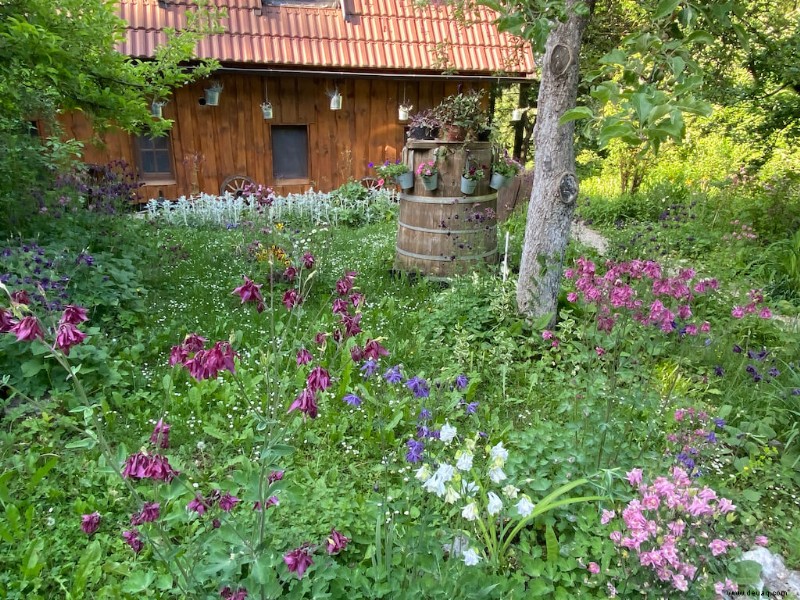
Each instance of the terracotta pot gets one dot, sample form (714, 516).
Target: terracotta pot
(454, 133)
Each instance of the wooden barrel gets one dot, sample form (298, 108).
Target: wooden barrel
(445, 232)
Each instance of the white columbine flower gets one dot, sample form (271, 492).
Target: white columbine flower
(496, 474)
(495, 504)
(423, 473)
(435, 485)
(498, 452)
(448, 433)
(446, 472)
(469, 487)
(470, 512)
(464, 460)
(510, 491)
(451, 495)
(524, 506)
(471, 557)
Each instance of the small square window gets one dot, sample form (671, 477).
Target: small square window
(155, 157)
(289, 152)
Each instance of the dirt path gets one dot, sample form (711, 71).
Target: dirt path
(589, 237)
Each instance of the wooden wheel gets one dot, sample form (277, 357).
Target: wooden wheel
(371, 183)
(237, 185)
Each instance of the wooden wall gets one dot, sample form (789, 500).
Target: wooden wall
(234, 139)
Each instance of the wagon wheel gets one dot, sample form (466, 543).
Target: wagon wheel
(371, 183)
(237, 185)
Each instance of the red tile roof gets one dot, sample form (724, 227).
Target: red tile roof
(385, 35)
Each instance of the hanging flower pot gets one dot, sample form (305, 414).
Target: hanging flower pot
(402, 112)
(431, 182)
(516, 114)
(498, 180)
(468, 185)
(266, 110)
(336, 101)
(405, 180)
(212, 94)
(156, 109)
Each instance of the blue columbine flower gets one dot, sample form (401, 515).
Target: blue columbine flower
(719, 422)
(774, 372)
(461, 381)
(719, 371)
(369, 368)
(352, 400)
(711, 438)
(415, 450)
(393, 375)
(472, 407)
(424, 414)
(419, 386)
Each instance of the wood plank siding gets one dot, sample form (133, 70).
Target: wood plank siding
(234, 139)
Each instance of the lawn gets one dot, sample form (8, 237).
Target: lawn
(262, 408)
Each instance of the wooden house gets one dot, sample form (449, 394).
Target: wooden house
(296, 54)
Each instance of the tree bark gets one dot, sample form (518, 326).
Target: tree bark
(555, 185)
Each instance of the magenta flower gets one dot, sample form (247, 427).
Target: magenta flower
(275, 476)
(228, 594)
(290, 274)
(146, 466)
(291, 299)
(194, 342)
(357, 353)
(737, 312)
(27, 330)
(271, 501)
(308, 260)
(318, 379)
(607, 516)
(357, 299)
(90, 523)
(634, 476)
(373, 350)
(150, 512)
(74, 315)
(220, 358)
(718, 546)
(227, 502)
(7, 320)
(178, 355)
(131, 538)
(68, 336)
(298, 560)
(593, 568)
(160, 435)
(20, 297)
(340, 307)
(351, 325)
(303, 357)
(197, 505)
(761, 540)
(250, 292)
(765, 313)
(306, 402)
(336, 542)
(343, 286)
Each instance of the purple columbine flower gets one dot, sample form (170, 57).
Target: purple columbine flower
(719, 371)
(424, 415)
(462, 381)
(774, 372)
(418, 386)
(298, 560)
(352, 400)
(472, 407)
(131, 538)
(711, 438)
(369, 368)
(336, 542)
(415, 450)
(150, 512)
(393, 375)
(227, 502)
(90, 523)
(737, 348)
(719, 422)
(197, 505)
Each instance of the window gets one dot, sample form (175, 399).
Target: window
(290, 152)
(155, 157)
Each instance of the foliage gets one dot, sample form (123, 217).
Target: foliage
(506, 166)
(474, 172)
(390, 170)
(424, 119)
(427, 168)
(463, 110)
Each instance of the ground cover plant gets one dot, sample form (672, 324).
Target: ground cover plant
(256, 406)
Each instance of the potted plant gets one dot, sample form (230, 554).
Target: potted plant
(470, 177)
(429, 172)
(397, 171)
(212, 93)
(461, 116)
(423, 126)
(504, 169)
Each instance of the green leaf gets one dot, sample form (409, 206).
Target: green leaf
(615, 57)
(574, 114)
(551, 543)
(138, 582)
(40, 473)
(86, 442)
(700, 37)
(31, 367)
(665, 7)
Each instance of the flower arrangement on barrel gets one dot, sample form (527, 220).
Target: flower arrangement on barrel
(471, 176)
(428, 170)
(396, 171)
(504, 169)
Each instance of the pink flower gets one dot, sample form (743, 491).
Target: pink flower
(68, 336)
(616, 537)
(572, 297)
(725, 506)
(761, 540)
(306, 403)
(178, 355)
(318, 379)
(634, 476)
(606, 517)
(90, 523)
(298, 560)
(705, 327)
(194, 342)
(599, 350)
(74, 315)
(373, 350)
(27, 330)
(197, 505)
(593, 568)
(7, 320)
(680, 583)
(547, 334)
(228, 594)
(150, 512)
(290, 274)
(160, 435)
(227, 502)
(718, 546)
(765, 313)
(145, 466)
(292, 298)
(336, 542)
(340, 306)
(275, 476)
(308, 260)
(737, 312)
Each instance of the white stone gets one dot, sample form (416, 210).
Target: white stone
(775, 577)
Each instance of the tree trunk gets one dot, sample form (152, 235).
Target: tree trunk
(555, 186)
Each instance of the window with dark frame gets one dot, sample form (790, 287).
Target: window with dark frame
(289, 152)
(155, 157)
